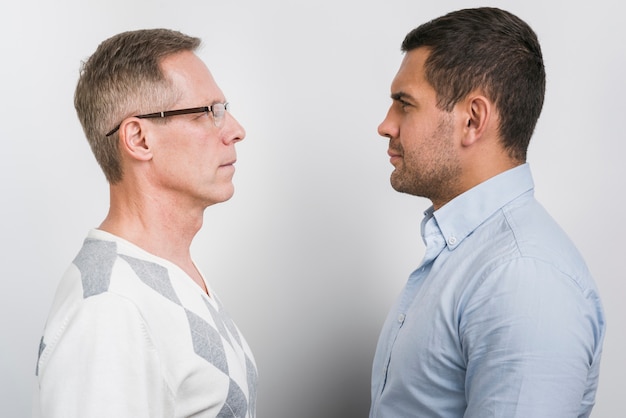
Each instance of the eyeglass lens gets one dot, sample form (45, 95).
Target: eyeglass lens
(218, 110)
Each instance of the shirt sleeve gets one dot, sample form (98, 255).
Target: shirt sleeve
(530, 337)
(103, 364)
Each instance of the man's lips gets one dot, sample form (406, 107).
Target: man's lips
(229, 163)
(394, 156)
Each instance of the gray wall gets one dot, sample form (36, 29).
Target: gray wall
(315, 245)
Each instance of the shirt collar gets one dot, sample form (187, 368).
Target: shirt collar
(463, 214)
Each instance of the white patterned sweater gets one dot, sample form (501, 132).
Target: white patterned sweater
(131, 335)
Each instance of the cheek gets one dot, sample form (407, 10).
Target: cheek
(412, 137)
(420, 145)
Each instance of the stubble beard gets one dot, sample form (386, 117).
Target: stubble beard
(436, 178)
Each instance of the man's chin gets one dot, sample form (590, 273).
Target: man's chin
(398, 187)
(221, 197)
(402, 186)
(396, 182)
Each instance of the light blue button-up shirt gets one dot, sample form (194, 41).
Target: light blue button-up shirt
(501, 318)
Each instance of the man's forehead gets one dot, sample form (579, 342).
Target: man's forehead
(413, 63)
(411, 73)
(192, 78)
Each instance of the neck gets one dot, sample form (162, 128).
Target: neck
(481, 169)
(160, 225)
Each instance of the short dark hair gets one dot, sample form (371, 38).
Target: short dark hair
(492, 50)
(123, 77)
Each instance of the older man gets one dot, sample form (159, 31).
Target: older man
(135, 330)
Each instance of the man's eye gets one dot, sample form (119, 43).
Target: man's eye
(403, 105)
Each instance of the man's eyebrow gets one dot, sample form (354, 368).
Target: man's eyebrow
(400, 96)
(211, 102)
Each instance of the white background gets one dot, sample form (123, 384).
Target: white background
(310, 253)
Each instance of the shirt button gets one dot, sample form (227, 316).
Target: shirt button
(401, 318)
(452, 240)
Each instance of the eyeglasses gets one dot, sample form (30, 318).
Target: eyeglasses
(218, 110)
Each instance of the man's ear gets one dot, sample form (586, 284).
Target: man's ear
(133, 140)
(479, 112)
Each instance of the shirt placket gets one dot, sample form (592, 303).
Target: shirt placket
(435, 243)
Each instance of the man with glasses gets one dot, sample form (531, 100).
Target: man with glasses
(135, 330)
(502, 317)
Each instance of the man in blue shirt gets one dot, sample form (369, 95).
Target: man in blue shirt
(502, 317)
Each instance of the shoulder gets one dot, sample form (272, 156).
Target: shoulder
(521, 257)
(542, 244)
(100, 297)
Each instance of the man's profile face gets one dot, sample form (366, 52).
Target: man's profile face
(193, 158)
(421, 136)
